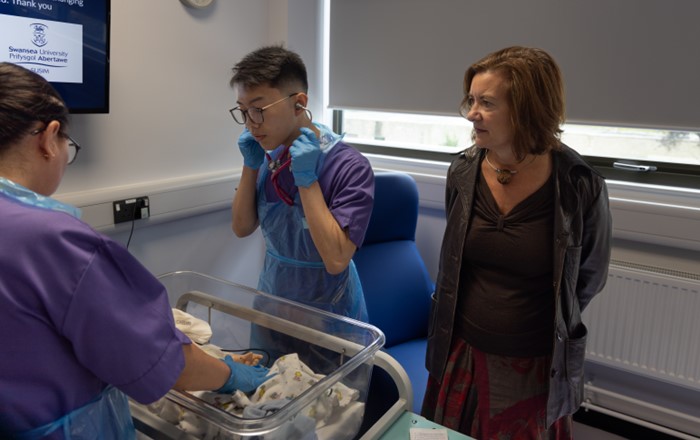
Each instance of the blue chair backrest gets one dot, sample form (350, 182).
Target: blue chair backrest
(394, 278)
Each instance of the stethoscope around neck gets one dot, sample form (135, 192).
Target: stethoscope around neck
(284, 160)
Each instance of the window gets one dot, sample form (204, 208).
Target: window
(443, 134)
(622, 153)
(632, 144)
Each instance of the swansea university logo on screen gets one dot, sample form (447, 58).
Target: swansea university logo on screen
(53, 49)
(39, 30)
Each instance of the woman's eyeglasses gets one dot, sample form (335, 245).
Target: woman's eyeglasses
(73, 147)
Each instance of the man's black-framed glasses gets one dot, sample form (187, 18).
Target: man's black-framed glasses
(73, 147)
(255, 114)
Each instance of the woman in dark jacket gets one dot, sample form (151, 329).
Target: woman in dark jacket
(526, 248)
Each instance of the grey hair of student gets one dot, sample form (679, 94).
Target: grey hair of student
(25, 99)
(273, 66)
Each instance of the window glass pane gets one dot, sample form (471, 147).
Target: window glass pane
(452, 134)
(634, 143)
(400, 130)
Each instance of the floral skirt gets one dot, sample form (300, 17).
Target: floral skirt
(495, 397)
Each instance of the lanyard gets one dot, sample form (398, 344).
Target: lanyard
(276, 166)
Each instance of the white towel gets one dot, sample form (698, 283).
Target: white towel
(196, 329)
(293, 377)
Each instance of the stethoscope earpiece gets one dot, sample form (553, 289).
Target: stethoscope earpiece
(308, 112)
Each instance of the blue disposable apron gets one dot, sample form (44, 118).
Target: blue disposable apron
(293, 268)
(107, 417)
(26, 195)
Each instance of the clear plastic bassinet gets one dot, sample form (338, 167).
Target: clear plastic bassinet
(340, 350)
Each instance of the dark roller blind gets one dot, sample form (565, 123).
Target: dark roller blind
(625, 62)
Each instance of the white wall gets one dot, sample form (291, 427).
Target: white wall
(203, 243)
(169, 94)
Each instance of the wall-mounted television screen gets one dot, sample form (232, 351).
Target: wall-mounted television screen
(66, 42)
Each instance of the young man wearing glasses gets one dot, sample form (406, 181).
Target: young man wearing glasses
(311, 193)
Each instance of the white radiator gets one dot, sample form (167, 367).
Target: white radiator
(647, 322)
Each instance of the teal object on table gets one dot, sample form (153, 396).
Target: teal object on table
(399, 430)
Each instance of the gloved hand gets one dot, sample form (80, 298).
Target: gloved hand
(243, 377)
(305, 151)
(253, 153)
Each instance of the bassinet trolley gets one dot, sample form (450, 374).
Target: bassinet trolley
(346, 349)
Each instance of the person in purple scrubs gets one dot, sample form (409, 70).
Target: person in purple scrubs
(83, 322)
(310, 193)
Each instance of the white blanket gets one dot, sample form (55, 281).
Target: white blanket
(336, 414)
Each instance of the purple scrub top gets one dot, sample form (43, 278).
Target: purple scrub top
(77, 312)
(347, 184)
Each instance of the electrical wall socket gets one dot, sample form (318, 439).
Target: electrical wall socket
(131, 209)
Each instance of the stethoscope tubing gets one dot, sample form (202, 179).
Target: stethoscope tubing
(276, 166)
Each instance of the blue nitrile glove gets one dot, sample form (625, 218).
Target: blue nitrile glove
(305, 152)
(253, 153)
(243, 377)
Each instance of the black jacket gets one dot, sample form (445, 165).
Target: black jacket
(582, 233)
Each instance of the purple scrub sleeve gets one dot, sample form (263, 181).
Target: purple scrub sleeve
(347, 181)
(118, 324)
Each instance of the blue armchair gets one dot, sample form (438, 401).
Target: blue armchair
(395, 281)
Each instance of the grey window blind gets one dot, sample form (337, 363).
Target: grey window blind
(625, 62)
